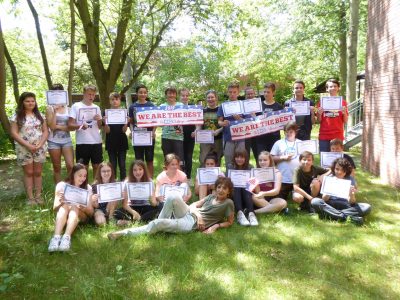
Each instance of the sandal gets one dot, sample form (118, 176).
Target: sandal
(31, 202)
(39, 200)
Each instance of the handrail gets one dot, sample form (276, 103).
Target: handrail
(355, 119)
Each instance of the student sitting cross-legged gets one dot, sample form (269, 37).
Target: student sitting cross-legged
(340, 209)
(206, 215)
(307, 180)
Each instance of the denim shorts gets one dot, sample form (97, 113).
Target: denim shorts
(54, 146)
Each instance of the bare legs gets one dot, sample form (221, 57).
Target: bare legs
(33, 181)
(68, 217)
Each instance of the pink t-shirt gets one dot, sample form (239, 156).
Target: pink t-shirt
(179, 178)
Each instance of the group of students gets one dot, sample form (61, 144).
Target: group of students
(294, 172)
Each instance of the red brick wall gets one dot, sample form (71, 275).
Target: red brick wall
(381, 139)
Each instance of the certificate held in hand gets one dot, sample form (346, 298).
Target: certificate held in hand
(309, 145)
(76, 195)
(109, 192)
(139, 190)
(142, 138)
(331, 103)
(302, 108)
(327, 158)
(208, 175)
(57, 97)
(204, 136)
(239, 177)
(337, 187)
(116, 116)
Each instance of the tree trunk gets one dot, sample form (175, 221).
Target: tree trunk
(352, 53)
(72, 53)
(126, 77)
(41, 44)
(5, 123)
(343, 46)
(14, 73)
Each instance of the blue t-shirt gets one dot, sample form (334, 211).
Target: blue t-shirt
(226, 131)
(132, 114)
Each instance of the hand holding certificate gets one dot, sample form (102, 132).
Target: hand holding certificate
(139, 190)
(109, 192)
(331, 103)
(167, 189)
(239, 177)
(302, 108)
(232, 108)
(252, 106)
(116, 116)
(204, 136)
(327, 158)
(57, 97)
(87, 113)
(337, 187)
(263, 175)
(76, 195)
(141, 138)
(310, 146)
(207, 175)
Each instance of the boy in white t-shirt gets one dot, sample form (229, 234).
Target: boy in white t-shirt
(85, 118)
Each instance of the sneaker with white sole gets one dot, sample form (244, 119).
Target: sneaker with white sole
(54, 243)
(65, 243)
(253, 219)
(241, 219)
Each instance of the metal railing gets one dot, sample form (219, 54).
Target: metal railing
(355, 120)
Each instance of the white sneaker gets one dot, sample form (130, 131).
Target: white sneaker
(54, 243)
(65, 243)
(241, 219)
(253, 219)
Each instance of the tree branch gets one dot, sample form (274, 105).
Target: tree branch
(14, 73)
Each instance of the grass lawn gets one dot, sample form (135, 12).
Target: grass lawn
(287, 256)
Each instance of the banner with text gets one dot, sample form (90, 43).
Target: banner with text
(269, 122)
(169, 115)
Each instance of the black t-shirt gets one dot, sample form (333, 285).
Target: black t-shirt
(116, 139)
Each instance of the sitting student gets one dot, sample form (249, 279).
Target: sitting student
(265, 195)
(207, 215)
(202, 191)
(69, 214)
(337, 146)
(172, 176)
(285, 157)
(340, 209)
(104, 174)
(307, 180)
(241, 196)
(137, 210)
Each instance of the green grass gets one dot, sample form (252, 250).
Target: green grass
(288, 257)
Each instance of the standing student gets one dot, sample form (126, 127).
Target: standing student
(250, 93)
(305, 123)
(241, 197)
(341, 209)
(230, 146)
(307, 180)
(69, 215)
(144, 153)
(206, 215)
(59, 140)
(265, 195)
(29, 131)
(188, 138)
(211, 123)
(138, 210)
(88, 139)
(266, 141)
(284, 154)
(116, 140)
(105, 174)
(331, 122)
(172, 136)
(171, 176)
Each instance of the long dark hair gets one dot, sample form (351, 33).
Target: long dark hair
(20, 111)
(70, 179)
(145, 177)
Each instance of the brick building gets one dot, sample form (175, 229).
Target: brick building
(381, 139)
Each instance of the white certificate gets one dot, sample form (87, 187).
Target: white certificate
(327, 158)
(232, 108)
(263, 175)
(141, 138)
(207, 175)
(309, 145)
(57, 97)
(116, 116)
(109, 192)
(139, 190)
(252, 106)
(76, 195)
(87, 113)
(167, 189)
(334, 186)
(239, 177)
(331, 103)
(302, 108)
(204, 136)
